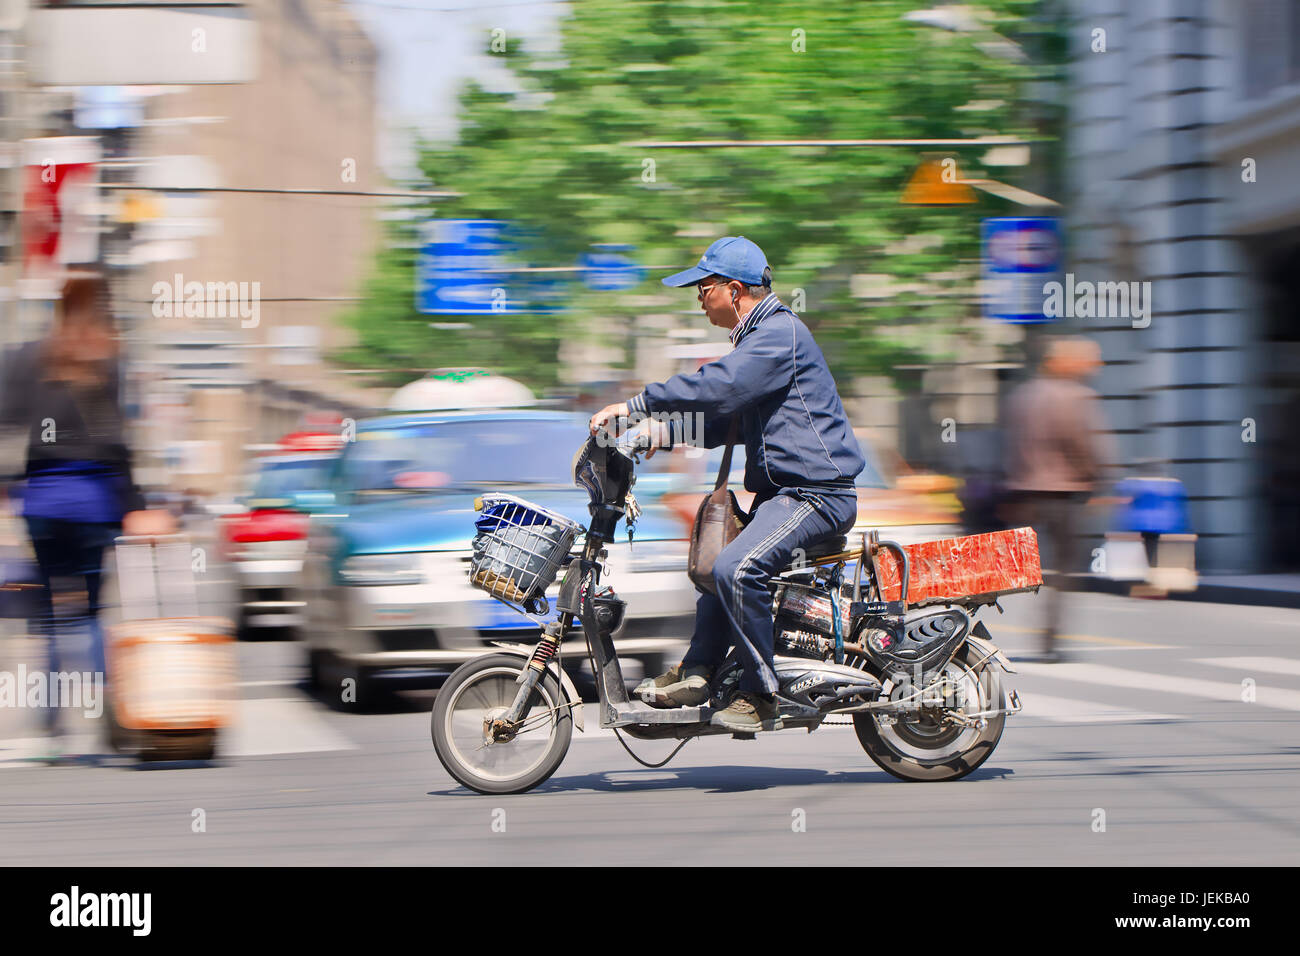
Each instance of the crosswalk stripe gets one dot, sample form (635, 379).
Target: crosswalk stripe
(1274, 697)
(1067, 710)
(266, 726)
(261, 727)
(22, 751)
(1269, 665)
(1117, 642)
(279, 725)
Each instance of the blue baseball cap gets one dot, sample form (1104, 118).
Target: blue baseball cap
(732, 257)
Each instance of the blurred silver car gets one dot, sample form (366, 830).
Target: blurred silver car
(387, 574)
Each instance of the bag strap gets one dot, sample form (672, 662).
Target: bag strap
(725, 470)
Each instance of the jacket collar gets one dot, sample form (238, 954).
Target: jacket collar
(757, 314)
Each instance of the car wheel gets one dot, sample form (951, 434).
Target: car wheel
(350, 689)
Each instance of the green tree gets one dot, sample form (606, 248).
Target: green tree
(557, 158)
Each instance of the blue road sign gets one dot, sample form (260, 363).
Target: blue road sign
(461, 268)
(606, 270)
(1020, 255)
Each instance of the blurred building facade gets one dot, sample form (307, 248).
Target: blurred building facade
(257, 189)
(280, 154)
(1184, 171)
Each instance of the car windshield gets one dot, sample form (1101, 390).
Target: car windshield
(462, 454)
(280, 479)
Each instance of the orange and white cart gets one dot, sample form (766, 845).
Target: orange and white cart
(171, 671)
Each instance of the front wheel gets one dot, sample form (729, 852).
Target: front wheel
(922, 746)
(481, 690)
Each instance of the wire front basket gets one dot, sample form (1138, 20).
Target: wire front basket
(518, 549)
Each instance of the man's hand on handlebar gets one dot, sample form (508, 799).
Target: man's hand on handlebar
(607, 415)
(657, 435)
(647, 436)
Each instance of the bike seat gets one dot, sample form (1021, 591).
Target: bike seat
(821, 548)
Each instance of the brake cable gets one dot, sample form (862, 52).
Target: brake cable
(652, 766)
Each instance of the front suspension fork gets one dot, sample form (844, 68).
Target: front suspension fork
(532, 673)
(543, 654)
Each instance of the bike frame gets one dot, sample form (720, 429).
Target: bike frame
(919, 685)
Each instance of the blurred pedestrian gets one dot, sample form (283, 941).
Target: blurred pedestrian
(1055, 451)
(78, 490)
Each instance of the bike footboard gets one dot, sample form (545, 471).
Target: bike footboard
(599, 620)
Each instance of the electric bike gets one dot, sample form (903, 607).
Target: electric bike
(921, 686)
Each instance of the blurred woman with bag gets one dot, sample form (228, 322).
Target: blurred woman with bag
(78, 490)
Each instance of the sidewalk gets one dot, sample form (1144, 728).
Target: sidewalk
(1263, 590)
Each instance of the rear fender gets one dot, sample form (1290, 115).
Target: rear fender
(982, 639)
(570, 689)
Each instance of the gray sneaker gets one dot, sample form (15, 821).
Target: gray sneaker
(678, 687)
(748, 713)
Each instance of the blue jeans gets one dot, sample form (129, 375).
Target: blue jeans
(69, 549)
(741, 612)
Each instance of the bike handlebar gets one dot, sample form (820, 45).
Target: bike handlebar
(634, 441)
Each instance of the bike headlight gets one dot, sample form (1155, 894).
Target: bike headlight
(379, 569)
(658, 556)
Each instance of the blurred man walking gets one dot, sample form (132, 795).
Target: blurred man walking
(1055, 453)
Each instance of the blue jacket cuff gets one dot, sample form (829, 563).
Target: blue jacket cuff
(676, 427)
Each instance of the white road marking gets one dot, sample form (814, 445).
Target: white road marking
(26, 751)
(262, 726)
(1068, 710)
(1118, 643)
(279, 725)
(1098, 649)
(1274, 697)
(1268, 665)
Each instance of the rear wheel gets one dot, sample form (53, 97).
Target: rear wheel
(481, 690)
(922, 746)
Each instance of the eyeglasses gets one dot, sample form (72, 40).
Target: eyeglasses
(705, 288)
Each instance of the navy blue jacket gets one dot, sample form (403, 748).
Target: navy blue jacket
(795, 430)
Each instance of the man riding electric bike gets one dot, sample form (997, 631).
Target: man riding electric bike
(801, 461)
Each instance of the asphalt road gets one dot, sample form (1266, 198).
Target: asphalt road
(1146, 724)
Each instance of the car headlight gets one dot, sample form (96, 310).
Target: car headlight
(378, 569)
(658, 556)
